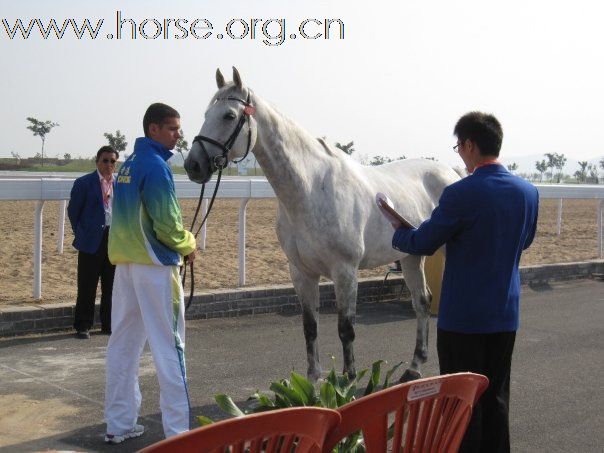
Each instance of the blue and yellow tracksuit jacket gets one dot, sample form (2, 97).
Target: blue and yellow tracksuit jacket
(147, 227)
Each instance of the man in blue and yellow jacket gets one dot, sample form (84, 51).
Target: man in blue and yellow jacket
(485, 220)
(147, 243)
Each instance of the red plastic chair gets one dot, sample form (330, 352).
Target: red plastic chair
(300, 429)
(427, 415)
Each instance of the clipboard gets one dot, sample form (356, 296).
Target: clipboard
(387, 208)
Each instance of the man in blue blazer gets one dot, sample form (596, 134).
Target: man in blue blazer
(89, 212)
(485, 220)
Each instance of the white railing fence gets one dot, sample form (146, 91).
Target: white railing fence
(43, 189)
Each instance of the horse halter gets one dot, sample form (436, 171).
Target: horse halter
(220, 161)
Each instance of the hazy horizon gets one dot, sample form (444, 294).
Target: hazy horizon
(395, 84)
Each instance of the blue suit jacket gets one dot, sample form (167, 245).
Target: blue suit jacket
(86, 213)
(486, 220)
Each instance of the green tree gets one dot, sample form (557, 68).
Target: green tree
(592, 174)
(541, 168)
(348, 148)
(551, 163)
(559, 164)
(379, 160)
(581, 174)
(16, 156)
(182, 146)
(117, 142)
(41, 129)
(513, 167)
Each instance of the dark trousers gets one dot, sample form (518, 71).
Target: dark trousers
(91, 267)
(491, 355)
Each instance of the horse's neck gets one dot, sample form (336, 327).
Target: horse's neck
(292, 160)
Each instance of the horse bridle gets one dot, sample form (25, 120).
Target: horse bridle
(218, 163)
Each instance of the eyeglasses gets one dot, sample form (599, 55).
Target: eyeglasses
(106, 161)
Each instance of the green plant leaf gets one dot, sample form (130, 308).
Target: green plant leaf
(328, 395)
(331, 377)
(287, 393)
(227, 405)
(360, 375)
(263, 402)
(353, 443)
(203, 420)
(304, 388)
(374, 379)
(351, 393)
(390, 373)
(281, 402)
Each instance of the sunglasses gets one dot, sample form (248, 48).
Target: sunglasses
(106, 161)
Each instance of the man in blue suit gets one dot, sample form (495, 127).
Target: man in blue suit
(485, 220)
(89, 212)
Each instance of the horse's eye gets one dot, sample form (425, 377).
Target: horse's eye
(229, 116)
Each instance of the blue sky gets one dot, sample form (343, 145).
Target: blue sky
(403, 74)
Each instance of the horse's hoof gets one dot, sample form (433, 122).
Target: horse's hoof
(410, 375)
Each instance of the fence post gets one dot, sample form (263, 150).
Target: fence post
(600, 241)
(560, 217)
(61, 234)
(242, 215)
(37, 293)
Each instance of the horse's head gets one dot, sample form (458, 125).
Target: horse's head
(227, 133)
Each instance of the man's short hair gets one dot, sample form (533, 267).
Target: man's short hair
(158, 113)
(106, 149)
(481, 128)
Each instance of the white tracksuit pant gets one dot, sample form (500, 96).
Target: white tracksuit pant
(147, 305)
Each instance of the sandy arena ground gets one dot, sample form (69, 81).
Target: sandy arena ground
(217, 265)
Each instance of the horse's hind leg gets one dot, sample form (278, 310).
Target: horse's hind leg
(413, 272)
(307, 289)
(346, 286)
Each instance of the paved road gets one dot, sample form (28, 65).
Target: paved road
(52, 386)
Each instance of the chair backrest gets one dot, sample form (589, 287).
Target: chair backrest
(300, 429)
(427, 415)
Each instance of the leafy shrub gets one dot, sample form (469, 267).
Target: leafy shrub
(334, 391)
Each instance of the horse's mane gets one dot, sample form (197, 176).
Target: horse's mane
(326, 147)
(230, 86)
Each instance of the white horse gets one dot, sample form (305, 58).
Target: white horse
(328, 223)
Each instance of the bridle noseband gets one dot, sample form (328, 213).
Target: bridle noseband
(218, 163)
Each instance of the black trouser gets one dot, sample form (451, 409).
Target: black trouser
(491, 355)
(90, 268)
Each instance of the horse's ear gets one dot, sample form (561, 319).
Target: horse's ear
(237, 78)
(219, 79)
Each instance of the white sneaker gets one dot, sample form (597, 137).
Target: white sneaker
(137, 431)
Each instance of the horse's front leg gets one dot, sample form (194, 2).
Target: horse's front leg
(346, 286)
(307, 289)
(413, 272)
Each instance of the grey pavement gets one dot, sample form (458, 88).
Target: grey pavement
(557, 383)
